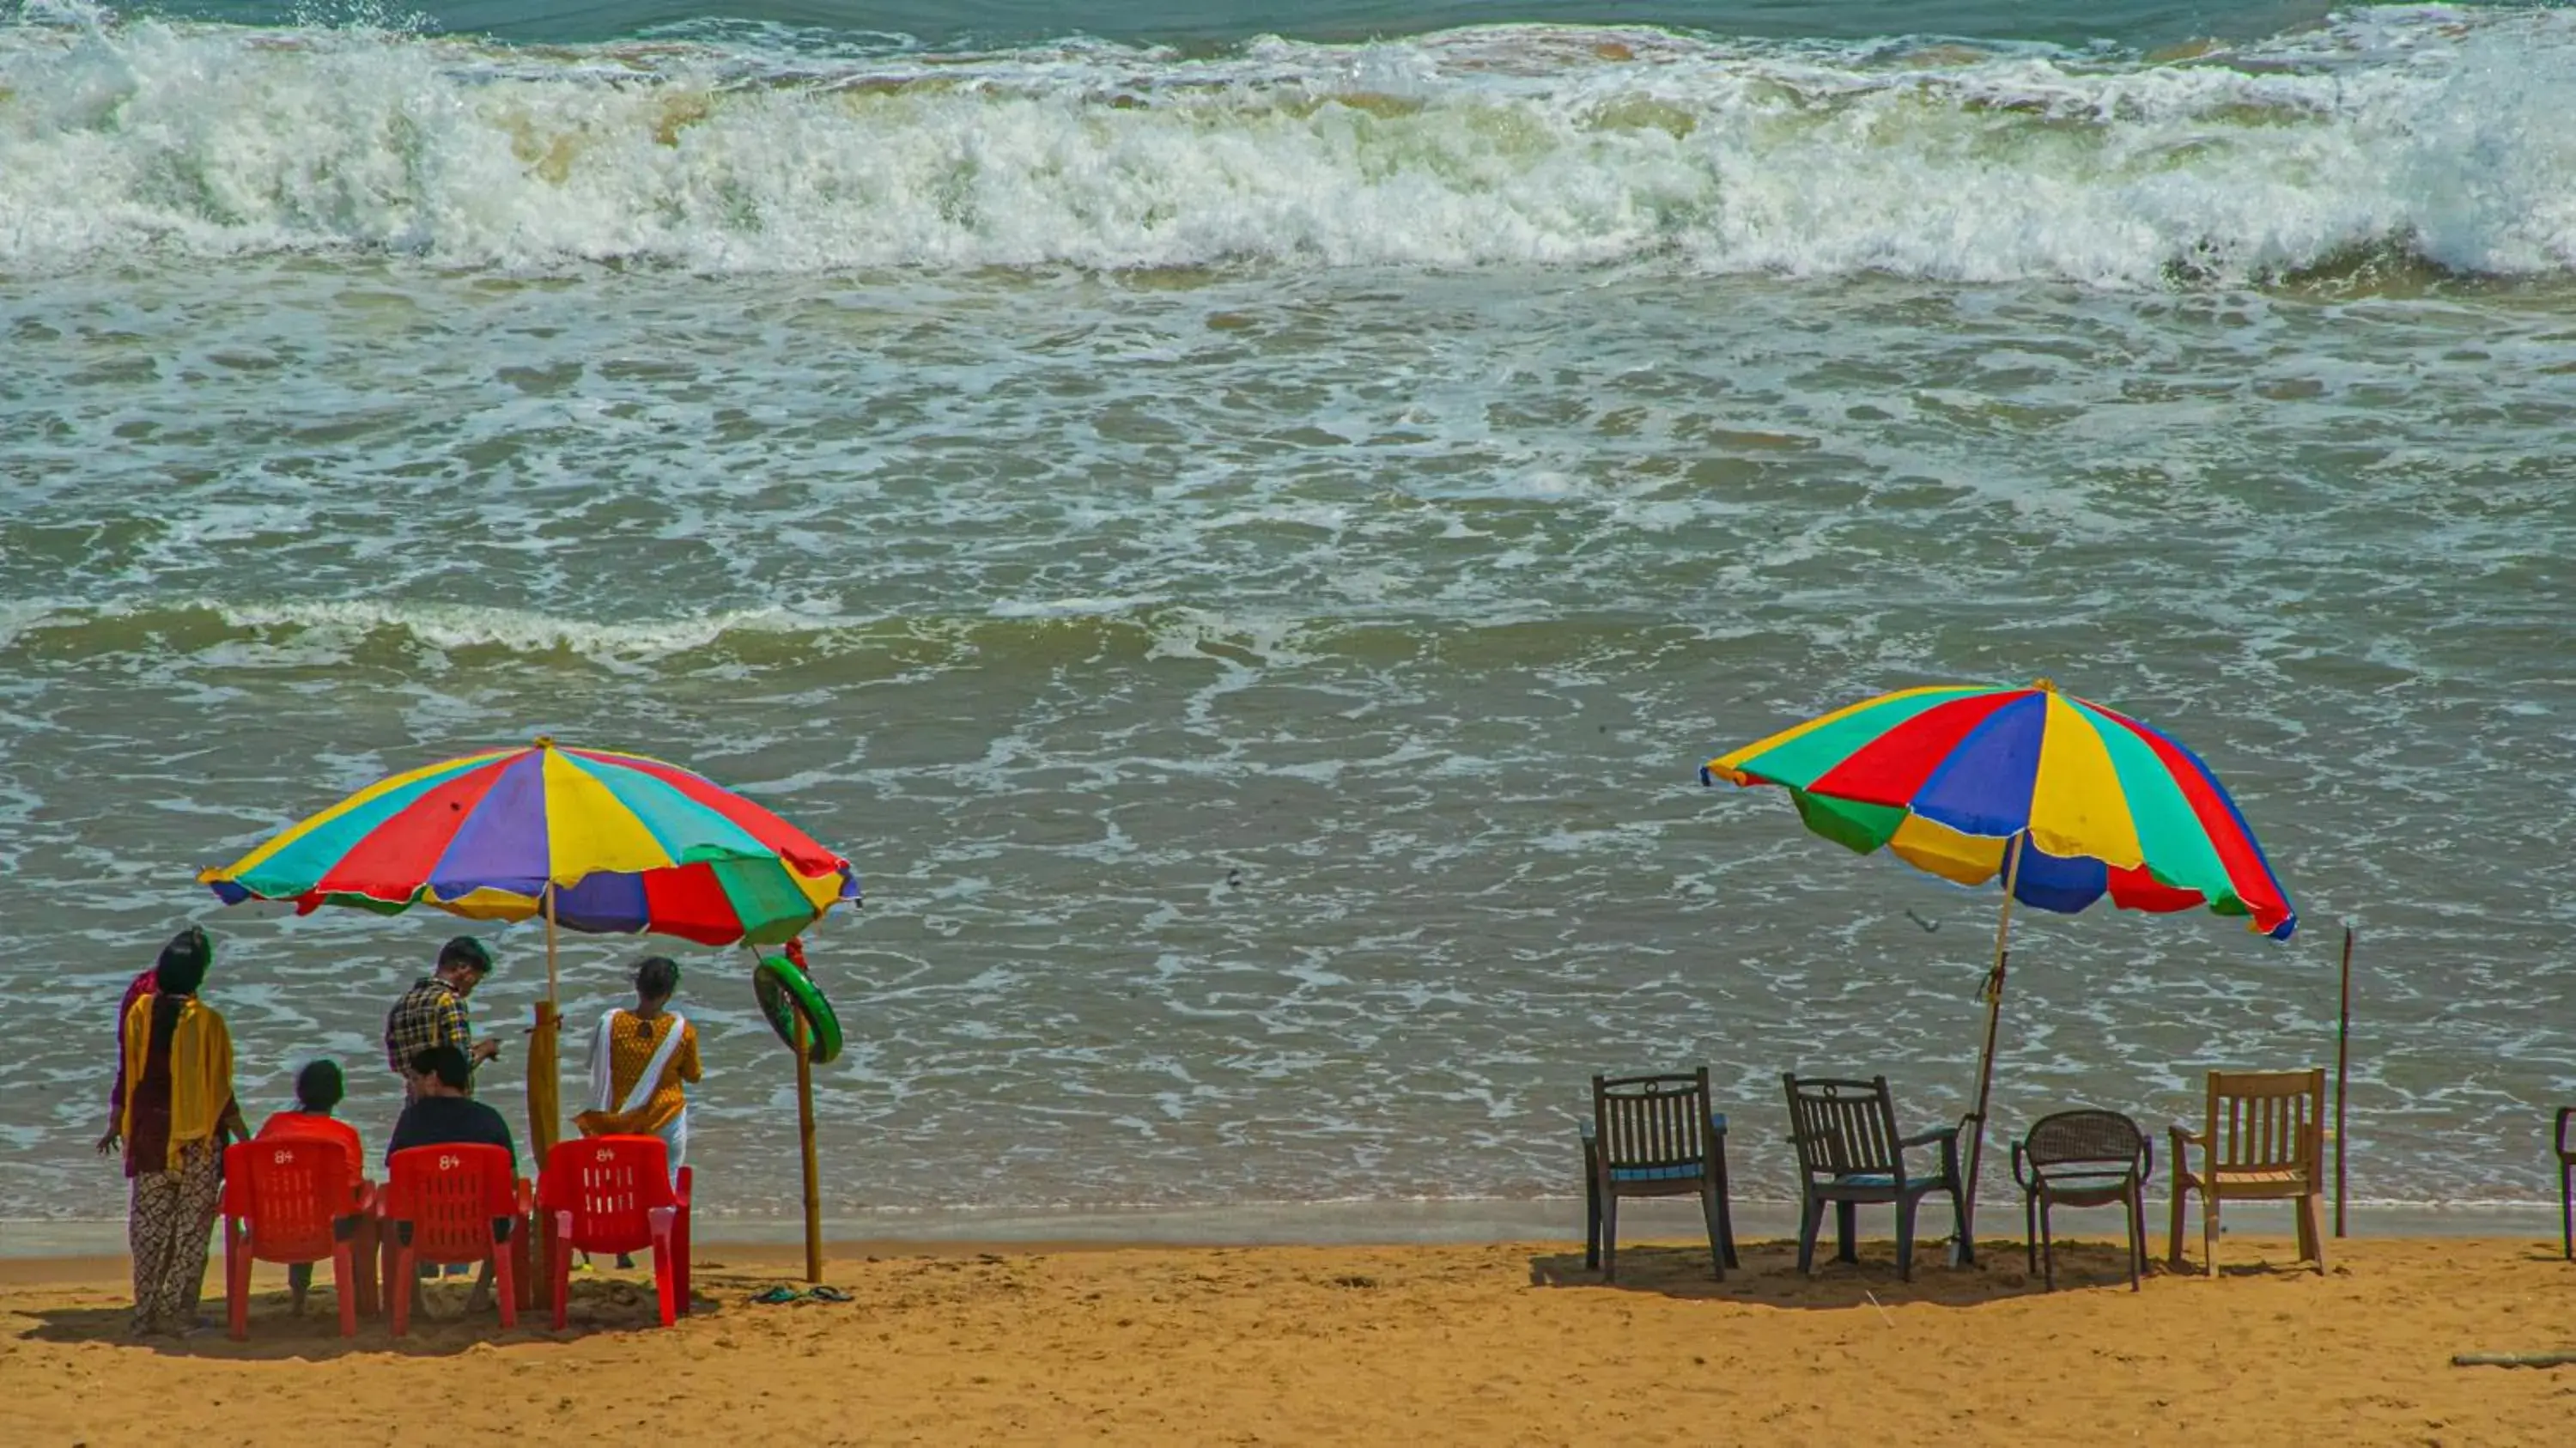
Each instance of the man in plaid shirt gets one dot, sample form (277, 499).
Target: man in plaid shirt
(432, 1012)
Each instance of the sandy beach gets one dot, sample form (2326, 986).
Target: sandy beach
(1505, 1343)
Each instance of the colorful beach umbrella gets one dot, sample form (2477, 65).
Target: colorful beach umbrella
(2065, 800)
(625, 844)
(586, 839)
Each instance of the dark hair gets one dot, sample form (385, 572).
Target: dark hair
(446, 1063)
(466, 951)
(319, 1086)
(656, 976)
(183, 963)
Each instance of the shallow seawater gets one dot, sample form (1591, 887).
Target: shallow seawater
(1246, 549)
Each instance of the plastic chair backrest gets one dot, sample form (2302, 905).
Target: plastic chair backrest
(288, 1191)
(609, 1184)
(450, 1195)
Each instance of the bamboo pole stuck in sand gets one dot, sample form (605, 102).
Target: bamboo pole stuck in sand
(805, 1143)
(1964, 1250)
(2343, 1058)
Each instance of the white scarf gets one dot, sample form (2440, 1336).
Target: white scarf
(602, 1075)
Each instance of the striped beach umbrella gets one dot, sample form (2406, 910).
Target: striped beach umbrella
(2065, 800)
(2087, 801)
(622, 844)
(586, 839)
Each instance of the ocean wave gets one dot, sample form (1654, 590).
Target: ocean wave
(327, 632)
(2427, 137)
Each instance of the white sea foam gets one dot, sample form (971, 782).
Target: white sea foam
(2440, 136)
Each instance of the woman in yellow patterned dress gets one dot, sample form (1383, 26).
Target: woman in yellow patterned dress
(639, 1061)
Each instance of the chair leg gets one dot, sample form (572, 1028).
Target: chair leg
(236, 1279)
(1716, 1243)
(344, 1283)
(2567, 1210)
(680, 1232)
(2173, 1242)
(398, 1285)
(2134, 1208)
(2312, 1210)
(2047, 1250)
(559, 1265)
(1592, 1221)
(509, 1267)
(1811, 1221)
(1905, 1237)
(1609, 1236)
(1846, 1231)
(664, 1279)
(1726, 1224)
(2209, 1232)
(2030, 1228)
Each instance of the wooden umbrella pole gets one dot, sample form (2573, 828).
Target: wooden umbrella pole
(551, 997)
(1964, 1250)
(2343, 1059)
(805, 1143)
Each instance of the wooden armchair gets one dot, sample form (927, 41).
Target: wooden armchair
(2083, 1158)
(1653, 1136)
(1850, 1155)
(2567, 1182)
(2263, 1140)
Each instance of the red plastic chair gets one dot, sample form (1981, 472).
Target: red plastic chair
(291, 1200)
(454, 1205)
(615, 1194)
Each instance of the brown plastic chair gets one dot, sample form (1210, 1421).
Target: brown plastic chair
(1850, 1155)
(2083, 1158)
(1653, 1136)
(2567, 1182)
(2263, 1140)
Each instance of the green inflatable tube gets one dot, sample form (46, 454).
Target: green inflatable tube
(783, 988)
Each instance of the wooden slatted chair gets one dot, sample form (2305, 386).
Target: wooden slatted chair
(2263, 1140)
(1849, 1155)
(1653, 1136)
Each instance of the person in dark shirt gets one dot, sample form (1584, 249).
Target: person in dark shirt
(443, 1115)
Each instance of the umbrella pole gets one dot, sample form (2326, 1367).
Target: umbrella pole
(545, 1081)
(805, 1143)
(1964, 1251)
(2343, 1043)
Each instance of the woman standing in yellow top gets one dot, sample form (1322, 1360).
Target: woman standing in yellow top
(177, 1115)
(638, 1062)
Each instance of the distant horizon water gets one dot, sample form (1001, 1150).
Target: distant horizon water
(1243, 525)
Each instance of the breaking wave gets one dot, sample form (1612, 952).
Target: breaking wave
(2423, 137)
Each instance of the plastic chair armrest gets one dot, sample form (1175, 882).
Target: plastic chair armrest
(2024, 1182)
(2566, 1114)
(1589, 1128)
(1927, 1138)
(681, 1188)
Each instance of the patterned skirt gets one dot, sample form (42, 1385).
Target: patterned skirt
(167, 1230)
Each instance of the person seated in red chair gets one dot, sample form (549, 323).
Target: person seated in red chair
(318, 1089)
(444, 1115)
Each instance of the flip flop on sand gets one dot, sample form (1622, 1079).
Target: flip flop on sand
(775, 1295)
(830, 1294)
